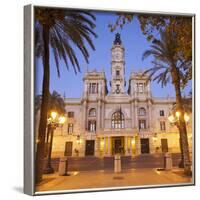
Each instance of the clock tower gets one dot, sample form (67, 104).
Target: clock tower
(117, 67)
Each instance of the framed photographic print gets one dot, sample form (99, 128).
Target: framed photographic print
(109, 100)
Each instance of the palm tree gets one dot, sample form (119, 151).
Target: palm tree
(56, 103)
(61, 31)
(168, 65)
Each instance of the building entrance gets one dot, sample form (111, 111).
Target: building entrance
(89, 149)
(164, 145)
(144, 145)
(68, 148)
(118, 145)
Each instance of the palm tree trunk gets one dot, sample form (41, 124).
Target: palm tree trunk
(181, 164)
(39, 162)
(48, 132)
(182, 124)
(48, 169)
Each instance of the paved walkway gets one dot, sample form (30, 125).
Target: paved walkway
(105, 179)
(91, 163)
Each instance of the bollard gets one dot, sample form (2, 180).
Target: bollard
(63, 166)
(117, 163)
(168, 161)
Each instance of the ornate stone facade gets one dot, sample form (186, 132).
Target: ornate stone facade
(103, 123)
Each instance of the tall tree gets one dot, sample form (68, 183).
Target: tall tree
(56, 103)
(168, 65)
(61, 31)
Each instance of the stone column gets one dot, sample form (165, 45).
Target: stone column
(133, 115)
(126, 145)
(149, 89)
(102, 115)
(100, 90)
(109, 145)
(104, 146)
(136, 114)
(97, 147)
(150, 115)
(131, 146)
(151, 145)
(138, 146)
(82, 147)
(86, 89)
(99, 115)
(136, 90)
(84, 115)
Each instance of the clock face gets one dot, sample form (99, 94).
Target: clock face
(117, 91)
(117, 56)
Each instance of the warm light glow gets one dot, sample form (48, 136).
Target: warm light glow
(178, 114)
(155, 139)
(186, 117)
(171, 118)
(61, 120)
(102, 142)
(53, 115)
(78, 141)
(133, 142)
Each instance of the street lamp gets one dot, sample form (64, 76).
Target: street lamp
(78, 140)
(174, 118)
(53, 122)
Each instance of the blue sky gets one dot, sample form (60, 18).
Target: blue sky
(134, 43)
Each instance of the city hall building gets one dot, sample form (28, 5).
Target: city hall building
(129, 122)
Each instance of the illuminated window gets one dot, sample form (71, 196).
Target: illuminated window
(92, 125)
(70, 114)
(162, 113)
(93, 88)
(142, 112)
(142, 124)
(118, 120)
(92, 112)
(162, 126)
(140, 87)
(70, 128)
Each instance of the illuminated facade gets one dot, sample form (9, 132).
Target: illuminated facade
(103, 123)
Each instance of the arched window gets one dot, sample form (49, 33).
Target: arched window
(142, 112)
(92, 112)
(118, 120)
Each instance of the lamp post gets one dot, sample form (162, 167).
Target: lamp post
(174, 118)
(53, 122)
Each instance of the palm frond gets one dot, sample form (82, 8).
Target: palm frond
(56, 103)
(163, 77)
(68, 30)
(165, 56)
(152, 71)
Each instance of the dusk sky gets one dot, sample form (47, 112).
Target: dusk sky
(134, 43)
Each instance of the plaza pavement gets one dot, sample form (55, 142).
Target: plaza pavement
(107, 178)
(91, 163)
